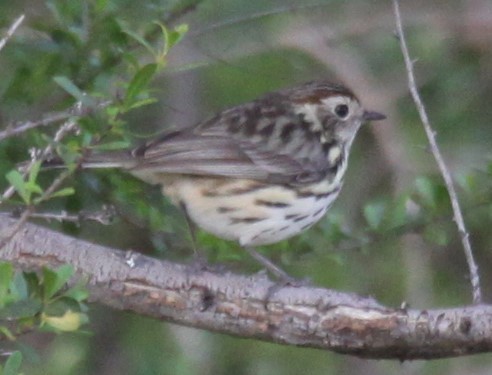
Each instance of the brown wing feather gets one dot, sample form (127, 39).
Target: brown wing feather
(243, 142)
(199, 155)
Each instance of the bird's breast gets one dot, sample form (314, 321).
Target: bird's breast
(251, 212)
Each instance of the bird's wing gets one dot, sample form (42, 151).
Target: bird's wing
(261, 140)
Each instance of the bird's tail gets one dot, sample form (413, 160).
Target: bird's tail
(109, 159)
(99, 160)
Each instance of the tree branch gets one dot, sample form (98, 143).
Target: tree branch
(234, 304)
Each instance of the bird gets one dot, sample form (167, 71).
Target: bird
(259, 172)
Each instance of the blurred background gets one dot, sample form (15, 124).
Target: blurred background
(390, 234)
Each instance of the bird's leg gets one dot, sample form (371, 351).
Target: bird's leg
(199, 261)
(284, 279)
(199, 256)
(269, 265)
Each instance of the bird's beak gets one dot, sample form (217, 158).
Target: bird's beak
(372, 116)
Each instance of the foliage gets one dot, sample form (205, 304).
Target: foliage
(126, 70)
(29, 302)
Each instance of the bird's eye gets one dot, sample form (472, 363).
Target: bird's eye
(342, 110)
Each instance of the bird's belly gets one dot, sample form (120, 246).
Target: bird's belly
(251, 212)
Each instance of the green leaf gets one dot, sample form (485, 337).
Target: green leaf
(165, 35)
(31, 185)
(25, 308)
(66, 84)
(26, 188)
(141, 103)
(140, 40)
(436, 234)
(432, 195)
(396, 215)
(101, 6)
(70, 321)
(63, 192)
(171, 38)
(113, 111)
(6, 332)
(6, 273)
(19, 286)
(34, 171)
(79, 293)
(53, 280)
(13, 364)
(61, 305)
(426, 189)
(139, 83)
(33, 283)
(175, 36)
(17, 181)
(374, 213)
(469, 183)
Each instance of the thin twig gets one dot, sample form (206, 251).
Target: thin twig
(11, 30)
(103, 216)
(76, 110)
(31, 208)
(64, 129)
(16, 129)
(69, 125)
(431, 136)
(284, 9)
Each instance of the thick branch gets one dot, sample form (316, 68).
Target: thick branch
(234, 304)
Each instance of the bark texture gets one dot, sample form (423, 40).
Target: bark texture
(238, 305)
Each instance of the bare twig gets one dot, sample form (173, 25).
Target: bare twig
(30, 209)
(11, 31)
(284, 9)
(16, 129)
(103, 216)
(70, 125)
(76, 110)
(64, 129)
(431, 136)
